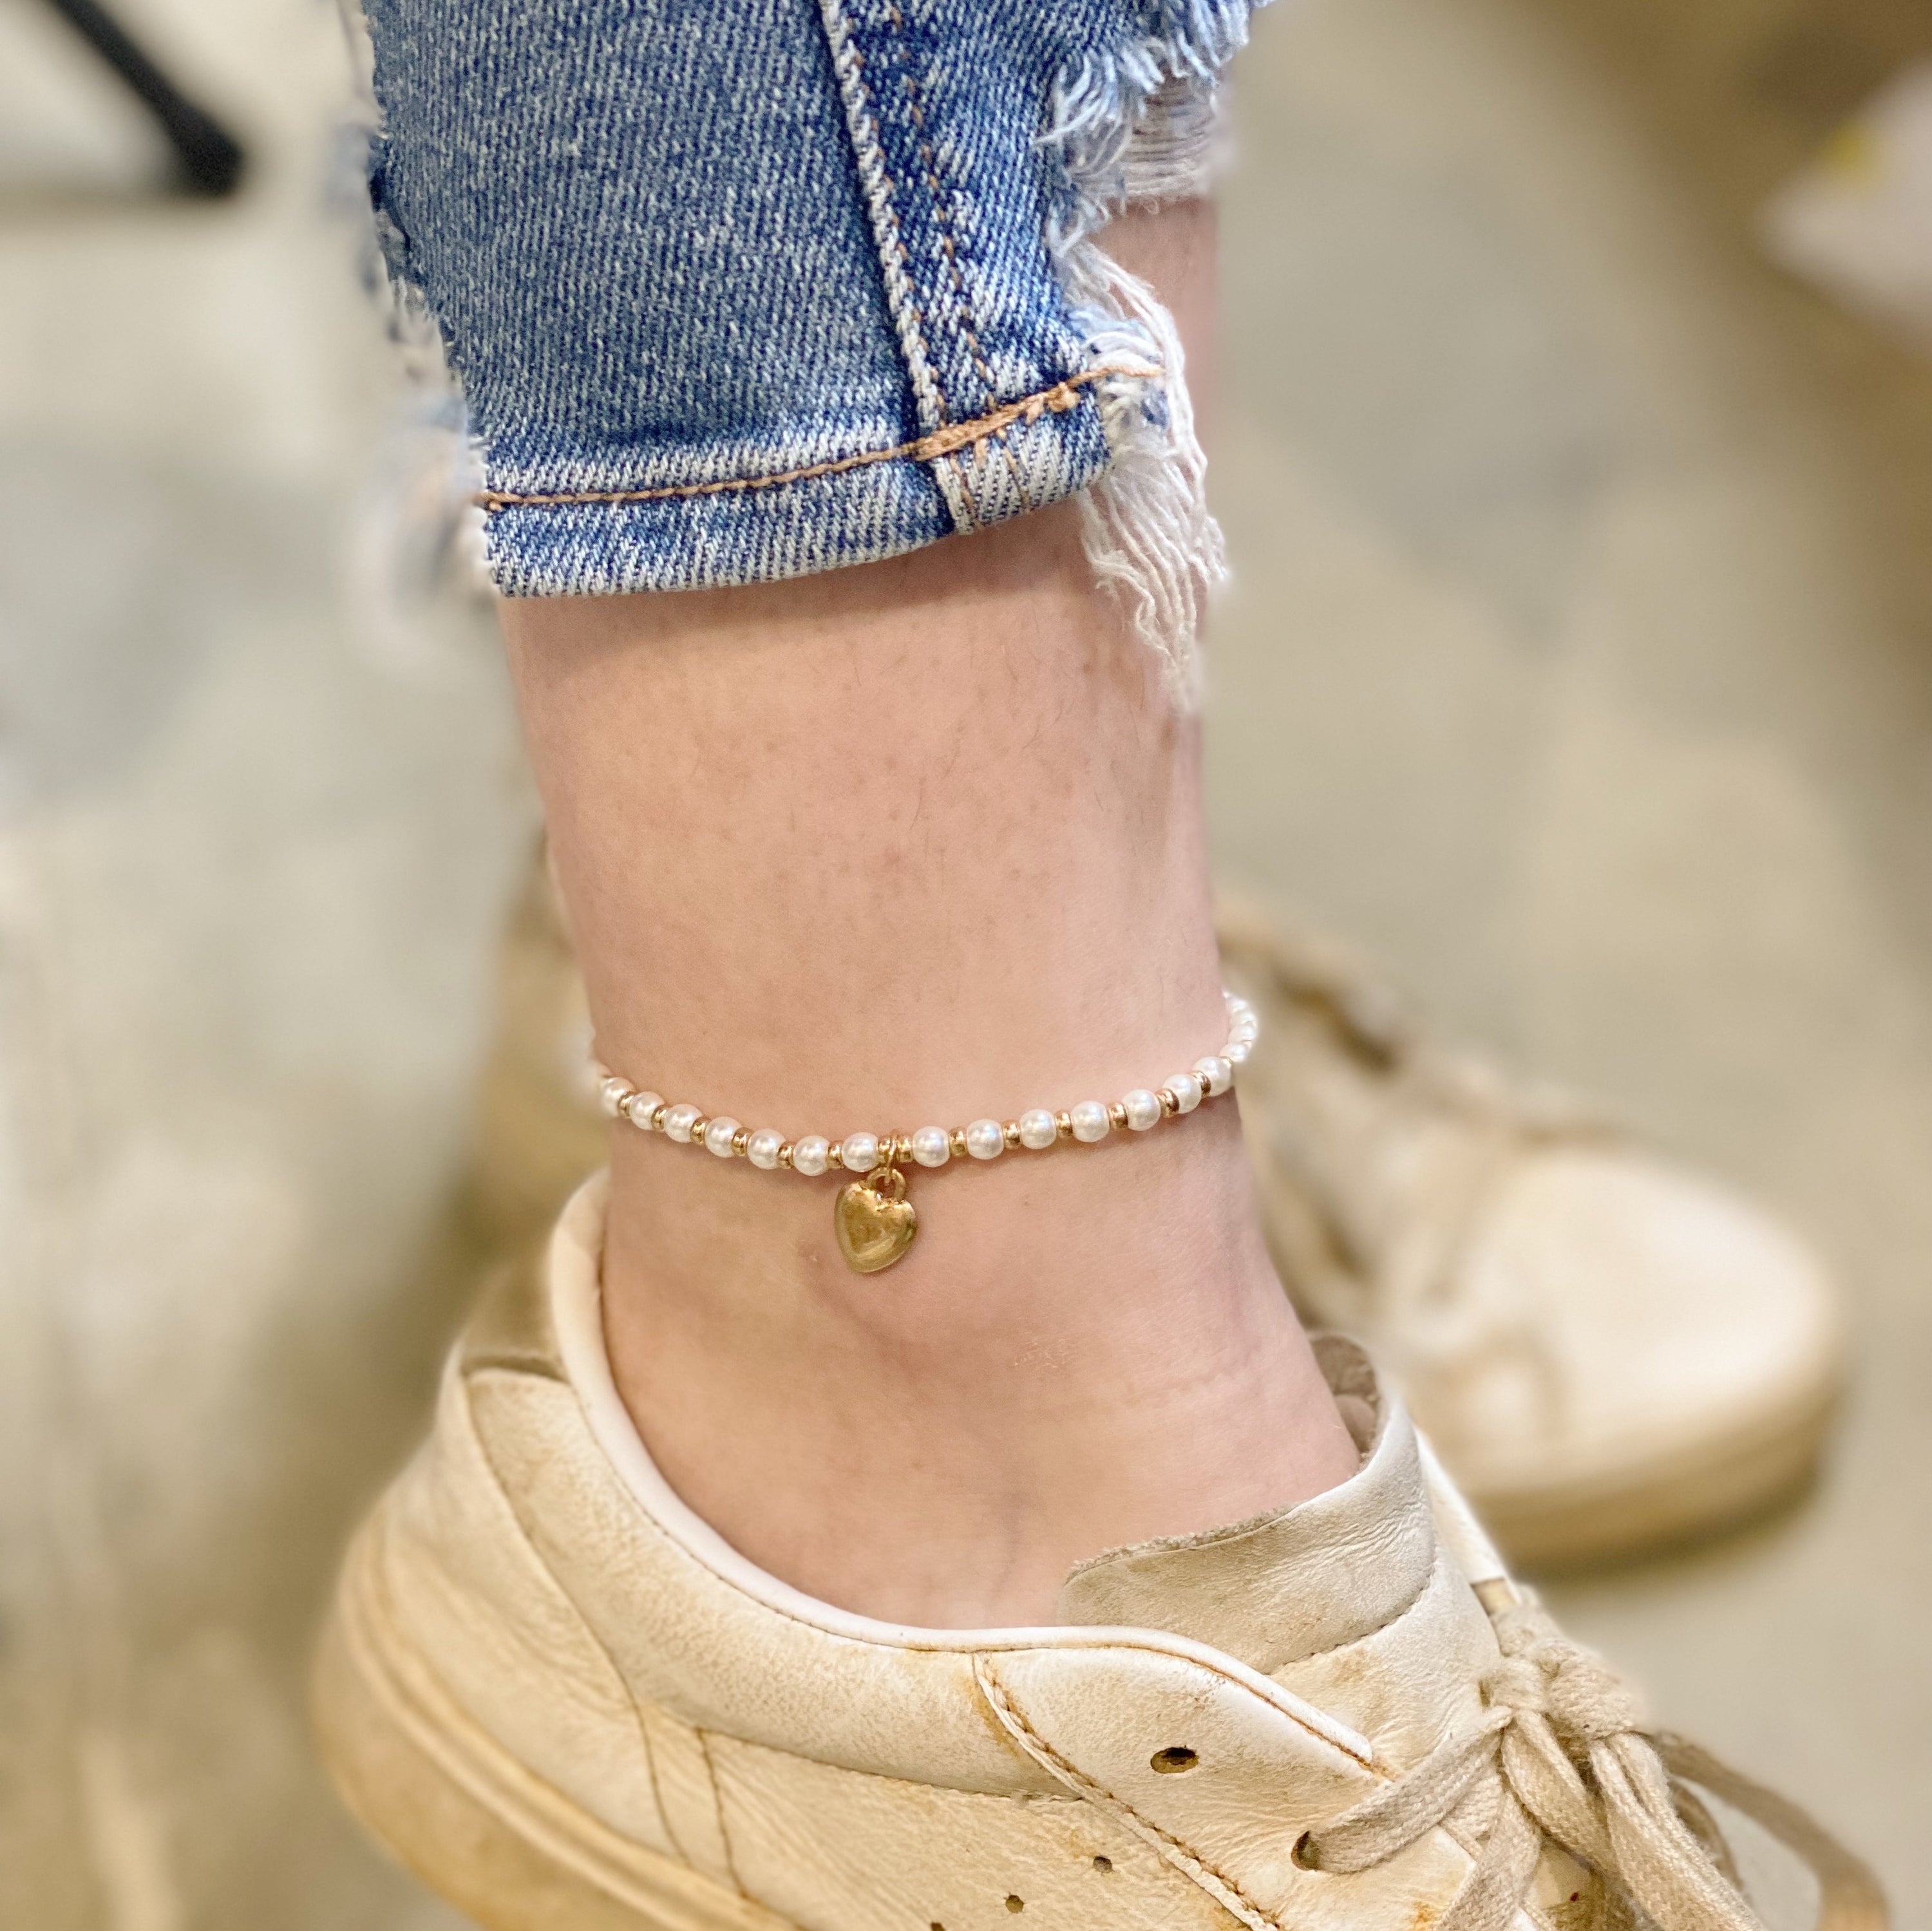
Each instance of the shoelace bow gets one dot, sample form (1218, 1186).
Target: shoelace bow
(1560, 1754)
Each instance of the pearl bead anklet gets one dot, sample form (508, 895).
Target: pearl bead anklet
(875, 1221)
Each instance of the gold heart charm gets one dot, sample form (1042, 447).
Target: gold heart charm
(874, 1220)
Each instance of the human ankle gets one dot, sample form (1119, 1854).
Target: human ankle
(1082, 1357)
(916, 844)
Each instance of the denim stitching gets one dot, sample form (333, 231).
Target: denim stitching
(961, 469)
(943, 442)
(944, 213)
(848, 63)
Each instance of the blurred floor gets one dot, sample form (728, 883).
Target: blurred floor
(252, 856)
(1581, 664)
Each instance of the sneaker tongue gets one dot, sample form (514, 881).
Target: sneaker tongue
(1273, 1590)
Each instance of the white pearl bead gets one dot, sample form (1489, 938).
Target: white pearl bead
(1142, 1107)
(860, 1152)
(679, 1120)
(985, 1139)
(1246, 1024)
(809, 1155)
(1216, 1075)
(1236, 1051)
(1186, 1089)
(1090, 1122)
(611, 1093)
(1037, 1128)
(639, 1108)
(719, 1134)
(762, 1149)
(932, 1146)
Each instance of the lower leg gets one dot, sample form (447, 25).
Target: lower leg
(918, 842)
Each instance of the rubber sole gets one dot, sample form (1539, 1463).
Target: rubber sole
(502, 1846)
(1695, 1491)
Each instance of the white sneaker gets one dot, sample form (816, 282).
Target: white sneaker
(1608, 1351)
(568, 1703)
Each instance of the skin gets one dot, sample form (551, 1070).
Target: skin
(906, 844)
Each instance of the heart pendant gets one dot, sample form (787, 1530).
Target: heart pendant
(874, 1220)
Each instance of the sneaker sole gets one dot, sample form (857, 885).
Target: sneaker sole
(453, 1806)
(1693, 1490)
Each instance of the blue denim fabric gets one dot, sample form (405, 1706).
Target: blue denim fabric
(739, 289)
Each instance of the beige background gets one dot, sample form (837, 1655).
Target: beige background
(1581, 663)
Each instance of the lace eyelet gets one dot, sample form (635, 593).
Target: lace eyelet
(1303, 1855)
(1175, 1759)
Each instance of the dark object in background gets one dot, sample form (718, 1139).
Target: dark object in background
(211, 161)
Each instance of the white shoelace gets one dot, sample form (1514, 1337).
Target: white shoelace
(1560, 1755)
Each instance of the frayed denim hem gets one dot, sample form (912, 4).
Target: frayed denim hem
(734, 295)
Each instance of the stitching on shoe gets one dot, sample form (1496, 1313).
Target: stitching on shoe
(643, 1515)
(482, 1439)
(1060, 398)
(438, 1725)
(717, 1805)
(995, 1693)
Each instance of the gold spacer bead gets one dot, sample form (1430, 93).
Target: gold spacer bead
(1011, 1131)
(658, 1113)
(697, 1127)
(835, 1154)
(1063, 1125)
(1116, 1117)
(739, 1140)
(1170, 1100)
(959, 1143)
(785, 1154)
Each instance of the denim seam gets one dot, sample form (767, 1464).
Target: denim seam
(942, 443)
(945, 215)
(848, 62)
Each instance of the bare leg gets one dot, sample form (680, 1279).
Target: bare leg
(914, 842)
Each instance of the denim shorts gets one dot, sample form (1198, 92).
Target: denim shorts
(736, 290)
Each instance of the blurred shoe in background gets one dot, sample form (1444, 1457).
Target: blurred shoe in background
(1608, 1352)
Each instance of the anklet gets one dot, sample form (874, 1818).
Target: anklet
(874, 1220)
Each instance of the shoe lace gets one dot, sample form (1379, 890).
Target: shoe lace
(1560, 1756)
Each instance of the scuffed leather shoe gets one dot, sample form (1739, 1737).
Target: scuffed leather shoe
(567, 1703)
(1608, 1351)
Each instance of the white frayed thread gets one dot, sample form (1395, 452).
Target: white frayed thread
(1139, 124)
(1148, 532)
(416, 541)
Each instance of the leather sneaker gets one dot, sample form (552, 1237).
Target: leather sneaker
(1609, 1351)
(566, 1701)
